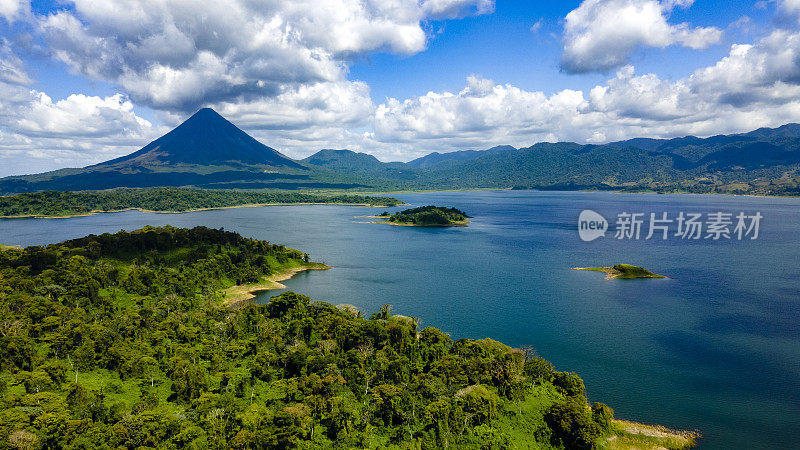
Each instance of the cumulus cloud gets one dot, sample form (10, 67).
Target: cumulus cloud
(754, 85)
(280, 73)
(479, 110)
(765, 72)
(788, 10)
(12, 10)
(601, 35)
(305, 107)
(178, 56)
(38, 134)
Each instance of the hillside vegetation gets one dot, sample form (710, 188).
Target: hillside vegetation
(429, 216)
(55, 203)
(207, 151)
(121, 341)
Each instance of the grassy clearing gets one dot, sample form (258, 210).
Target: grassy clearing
(632, 435)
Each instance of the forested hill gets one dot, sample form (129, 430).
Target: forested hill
(207, 151)
(765, 162)
(121, 341)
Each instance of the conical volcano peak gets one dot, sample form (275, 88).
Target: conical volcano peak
(206, 114)
(206, 138)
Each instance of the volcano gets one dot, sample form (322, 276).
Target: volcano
(206, 138)
(204, 151)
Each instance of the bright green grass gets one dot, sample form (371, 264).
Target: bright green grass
(630, 271)
(623, 440)
(623, 271)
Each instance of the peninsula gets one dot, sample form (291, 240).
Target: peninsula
(165, 200)
(124, 340)
(622, 271)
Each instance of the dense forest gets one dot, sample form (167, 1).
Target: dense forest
(121, 341)
(55, 203)
(428, 216)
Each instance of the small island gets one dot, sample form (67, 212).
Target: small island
(622, 271)
(426, 216)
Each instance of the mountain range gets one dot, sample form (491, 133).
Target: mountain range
(208, 151)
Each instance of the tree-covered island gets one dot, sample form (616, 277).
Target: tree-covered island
(426, 216)
(124, 341)
(622, 271)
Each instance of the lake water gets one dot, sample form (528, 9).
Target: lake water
(716, 348)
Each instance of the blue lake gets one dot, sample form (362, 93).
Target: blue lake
(716, 347)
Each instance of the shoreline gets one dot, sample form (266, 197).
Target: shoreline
(628, 434)
(612, 191)
(388, 192)
(614, 274)
(238, 295)
(248, 205)
(403, 224)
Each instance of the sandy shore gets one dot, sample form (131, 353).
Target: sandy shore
(237, 295)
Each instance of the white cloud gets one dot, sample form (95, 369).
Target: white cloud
(306, 107)
(11, 67)
(79, 116)
(601, 35)
(789, 9)
(38, 134)
(280, 74)
(178, 55)
(481, 110)
(12, 10)
(755, 85)
(766, 72)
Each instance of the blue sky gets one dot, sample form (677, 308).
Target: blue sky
(83, 81)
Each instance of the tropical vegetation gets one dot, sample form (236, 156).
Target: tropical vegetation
(163, 199)
(428, 216)
(122, 341)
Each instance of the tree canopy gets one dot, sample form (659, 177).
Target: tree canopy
(430, 215)
(121, 340)
(162, 199)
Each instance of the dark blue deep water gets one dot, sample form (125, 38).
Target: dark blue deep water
(716, 348)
